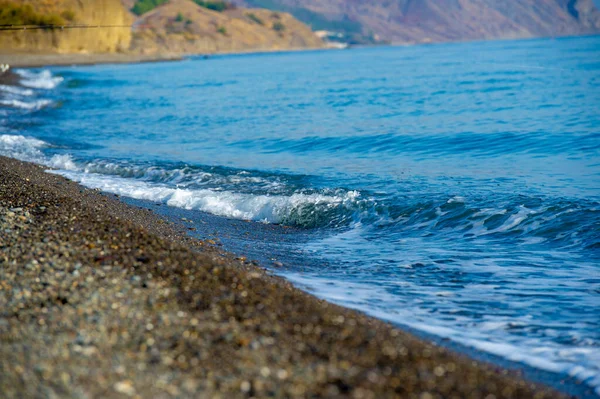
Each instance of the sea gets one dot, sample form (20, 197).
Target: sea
(450, 189)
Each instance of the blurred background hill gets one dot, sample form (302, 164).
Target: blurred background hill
(65, 12)
(150, 27)
(418, 21)
(188, 26)
(209, 26)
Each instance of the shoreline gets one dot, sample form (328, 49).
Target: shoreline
(24, 60)
(101, 298)
(225, 232)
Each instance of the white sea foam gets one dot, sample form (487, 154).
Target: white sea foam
(298, 208)
(514, 220)
(182, 177)
(39, 80)
(457, 198)
(21, 147)
(30, 150)
(272, 209)
(16, 90)
(33, 105)
(9, 142)
(577, 362)
(64, 162)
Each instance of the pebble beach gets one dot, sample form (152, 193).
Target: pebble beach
(101, 299)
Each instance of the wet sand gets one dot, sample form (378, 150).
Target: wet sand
(24, 60)
(102, 299)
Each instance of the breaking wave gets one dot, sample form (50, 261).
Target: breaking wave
(30, 106)
(187, 176)
(30, 150)
(16, 90)
(39, 80)
(305, 210)
(274, 199)
(22, 97)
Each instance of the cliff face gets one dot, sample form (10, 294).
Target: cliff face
(410, 21)
(181, 26)
(95, 40)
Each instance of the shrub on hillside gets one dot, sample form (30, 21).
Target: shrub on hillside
(143, 6)
(278, 27)
(254, 18)
(69, 15)
(12, 13)
(215, 5)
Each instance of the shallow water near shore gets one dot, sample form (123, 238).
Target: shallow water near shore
(453, 188)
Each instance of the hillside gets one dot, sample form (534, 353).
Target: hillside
(418, 21)
(96, 12)
(182, 26)
(168, 28)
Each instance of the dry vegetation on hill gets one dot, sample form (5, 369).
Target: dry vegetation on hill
(183, 26)
(59, 12)
(13, 13)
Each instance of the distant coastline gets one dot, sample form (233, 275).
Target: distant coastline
(32, 60)
(170, 30)
(19, 60)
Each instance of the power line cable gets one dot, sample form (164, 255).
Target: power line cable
(58, 27)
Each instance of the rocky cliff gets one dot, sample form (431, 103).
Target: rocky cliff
(87, 12)
(417, 21)
(182, 26)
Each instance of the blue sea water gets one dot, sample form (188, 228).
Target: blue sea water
(453, 189)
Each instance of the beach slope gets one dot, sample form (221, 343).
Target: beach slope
(100, 299)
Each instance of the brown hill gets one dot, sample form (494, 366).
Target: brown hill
(181, 26)
(409, 21)
(175, 28)
(95, 12)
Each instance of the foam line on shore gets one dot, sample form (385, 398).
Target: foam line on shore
(39, 80)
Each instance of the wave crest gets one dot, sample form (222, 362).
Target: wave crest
(299, 209)
(30, 150)
(30, 106)
(39, 80)
(16, 90)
